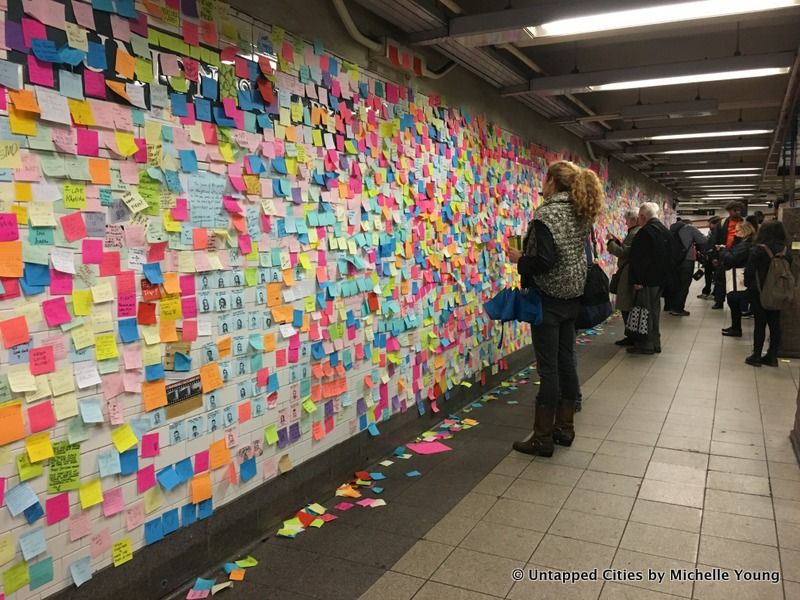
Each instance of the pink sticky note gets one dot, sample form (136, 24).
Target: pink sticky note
(100, 542)
(57, 508)
(73, 226)
(245, 244)
(79, 526)
(150, 445)
(145, 478)
(134, 516)
(201, 461)
(32, 29)
(109, 264)
(83, 14)
(179, 213)
(40, 72)
(94, 84)
(41, 360)
(88, 142)
(9, 230)
(428, 447)
(55, 311)
(189, 333)
(343, 506)
(41, 417)
(92, 252)
(60, 284)
(113, 501)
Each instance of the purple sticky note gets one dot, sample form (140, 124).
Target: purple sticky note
(15, 39)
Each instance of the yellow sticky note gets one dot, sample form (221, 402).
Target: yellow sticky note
(153, 499)
(26, 469)
(10, 158)
(82, 302)
(81, 112)
(121, 551)
(170, 308)
(271, 434)
(8, 548)
(39, 447)
(17, 576)
(82, 337)
(102, 292)
(105, 346)
(309, 406)
(123, 438)
(91, 493)
(22, 123)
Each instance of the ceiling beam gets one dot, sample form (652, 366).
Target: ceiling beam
(678, 168)
(674, 147)
(586, 82)
(646, 133)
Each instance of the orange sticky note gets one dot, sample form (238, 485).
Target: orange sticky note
(210, 377)
(11, 259)
(274, 294)
(125, 64)
(99, 171)
(118, 87)
(24, 100)
(218, 454)
(269, 342)
(12, 426)
(199, 239)
(237, 575)
(201, 487)
(171, 283)
(14, 331)
(167, 331)
(154, 394)
(224, 346)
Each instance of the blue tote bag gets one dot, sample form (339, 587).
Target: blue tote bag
(515, 305)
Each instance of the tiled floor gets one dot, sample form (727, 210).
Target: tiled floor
(682, 461)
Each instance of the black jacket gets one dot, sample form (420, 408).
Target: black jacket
(736, 257)
(722, 231)
(651, 255)
(758, 264)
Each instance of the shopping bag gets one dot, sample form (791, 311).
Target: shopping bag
(638, 323)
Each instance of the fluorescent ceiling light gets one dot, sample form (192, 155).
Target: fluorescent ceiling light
(698, 78)
(653, 15)
(690, 136)
(726, 187)
(728, 197)
(701, 150)
(728, 176)
(721, 170)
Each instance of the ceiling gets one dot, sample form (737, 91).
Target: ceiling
(552, 75)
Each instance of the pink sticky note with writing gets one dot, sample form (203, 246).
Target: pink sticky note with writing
(150, 445)
(201, 461)
(113, 501)
(57, 508)
(94, 84)
(88, 142)
(145, 478)
(73, 226)
(41, 360)
(134, 516)
(55, 311)
(79, 526)
(9, 229)
(60, 283)
(100, 542)
(92, 252)
(41, 417)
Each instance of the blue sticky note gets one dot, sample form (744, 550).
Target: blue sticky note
(184, 469)
(179, 106)
(414, 473)
(188, 514)
(71, 56)
(81, 571)
(40, 572)
(205, 509)
(97, 56)
(247, 470)
(129, 461)
(34, 513)
(188, 160)
(19, 498)
(182, 362)
(204, 584)
(36, 274)
(168, 478)
(103, 5)
(279, 164)
(154, 372)
(208, 88)
(170, 521)
(125, 9)
(297, 320)
(377, 490)
(108, 463)
(373, 430)
(128, 330)
(153, 531)
(153, 273)
(32, 543)
(45, 50)
(230, 567)
(377, 476)
(91, 410)
(202, 109)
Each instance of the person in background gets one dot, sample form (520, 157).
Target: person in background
(706, 257)
(733, 259)
(651, 263)
(773, 236)
(690, 239)
(725, 236)
(554, 262)
(622, 250)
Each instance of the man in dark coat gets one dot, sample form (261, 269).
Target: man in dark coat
(650, 265)
(725, 236)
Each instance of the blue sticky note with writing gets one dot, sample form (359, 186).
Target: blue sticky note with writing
(178, 103)
(154, 372)
(129, 461)
(248, 469)
(205, 509)
(188, 514)
(373, 430)
(32, 543)
(108, 463)
(45, 50)
(91, 410)
(153, 273)
(184, 469)
(153, 531)
(170, 521)
(81, 571)
(34, 513)
(183, 362)
(40, 572)
(97, 56)
(19, 498)
(128, 330)
(188, 160)
(168, 478)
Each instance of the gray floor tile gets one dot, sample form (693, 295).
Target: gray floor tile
(618, 591)
(733, 482)
(618, 465)
(739, 504)
(502, 540)
(732, 554)
(637, 561)
(667, 456)
(739, 527)
(588, 527)
(393, 586)
(439, 591)
(790, 561)
(669, 543)
(565, 553)
(538, 492)
(423, 559)
(484, 573)
(663, 491)
(599, 503)
(450, 530)
(473, 506)
(742, 466)
(732, 588)
(494, 484)
(671, 516)
(555, 590)
(550, 473)
(524, 515)
(622, 485)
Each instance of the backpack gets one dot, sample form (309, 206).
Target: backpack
(777, 291)
(677, 250)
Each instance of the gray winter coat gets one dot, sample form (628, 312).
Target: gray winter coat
(624, 300)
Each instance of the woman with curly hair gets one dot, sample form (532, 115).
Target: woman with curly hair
(554, 261)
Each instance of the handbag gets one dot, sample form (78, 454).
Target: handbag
(613, 285)
(638, 323)
(699, 274)
(595, 301)
(515, 305)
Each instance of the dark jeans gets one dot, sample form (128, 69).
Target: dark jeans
(736, 301)
(650, 298)
(709, 278)
(719, 285)
(554, 344)
(765, 318)
(682, 284)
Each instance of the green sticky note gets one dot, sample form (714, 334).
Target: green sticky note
(26, 469)
(246, 562)
(271, 434)
(309, 406)
(41, 573)
(15, 578)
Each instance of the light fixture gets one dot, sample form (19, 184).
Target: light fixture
(653, 15)
(721, 170)
(701, 150)
(698, 78)
(725, 197)
(728, 176)
(691, 136)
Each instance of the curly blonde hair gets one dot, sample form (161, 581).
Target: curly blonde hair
(583, 186)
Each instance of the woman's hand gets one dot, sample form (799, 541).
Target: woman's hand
(514, 255)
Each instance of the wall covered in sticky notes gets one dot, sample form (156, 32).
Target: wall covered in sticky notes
(222, 246)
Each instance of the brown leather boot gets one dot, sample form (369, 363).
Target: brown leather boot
(541, 442)
(564, 430)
